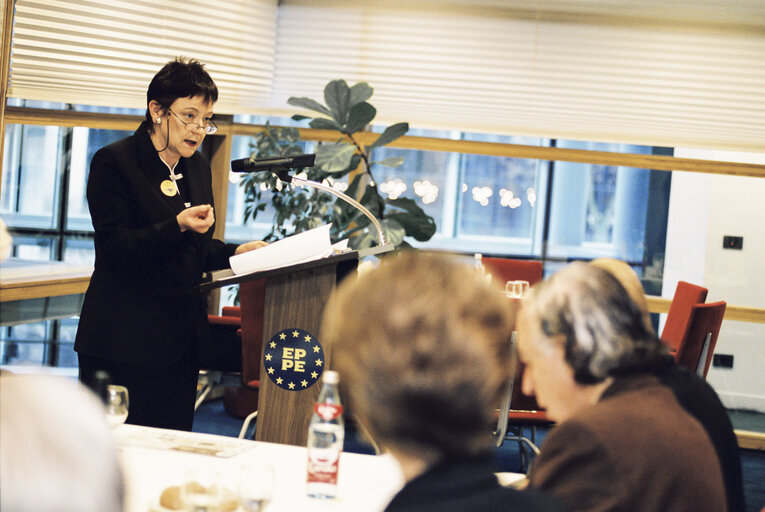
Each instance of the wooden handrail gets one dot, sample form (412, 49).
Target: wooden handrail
(24, 115)
(736, 313)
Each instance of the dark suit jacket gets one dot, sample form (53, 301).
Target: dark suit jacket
(635, 450)
(142, 306)
(697, 397)
(466, 485)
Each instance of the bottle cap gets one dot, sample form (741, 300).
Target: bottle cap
(331, 377)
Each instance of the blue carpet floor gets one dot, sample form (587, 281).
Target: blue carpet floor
(211, 418)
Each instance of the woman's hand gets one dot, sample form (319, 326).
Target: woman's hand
(250, 246)
(197, 218)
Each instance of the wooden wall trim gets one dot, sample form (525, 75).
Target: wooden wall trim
(20, 115)
(656, 162)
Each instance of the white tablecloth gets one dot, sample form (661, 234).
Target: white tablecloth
(366, 482)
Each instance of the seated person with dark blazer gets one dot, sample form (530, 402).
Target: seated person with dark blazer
(422, 345)
(623, 442)
(693, 393)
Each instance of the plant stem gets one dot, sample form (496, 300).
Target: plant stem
(365, 158)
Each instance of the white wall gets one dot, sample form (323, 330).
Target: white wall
(702, 209)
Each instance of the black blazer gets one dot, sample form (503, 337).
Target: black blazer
(467, 484)
(142, 305)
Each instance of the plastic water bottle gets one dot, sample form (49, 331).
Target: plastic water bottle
(478, 263)
(479, 266)
(326, 434)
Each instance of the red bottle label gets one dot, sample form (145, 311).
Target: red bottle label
(323, 467)
(328, 411)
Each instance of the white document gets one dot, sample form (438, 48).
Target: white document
(309, 245)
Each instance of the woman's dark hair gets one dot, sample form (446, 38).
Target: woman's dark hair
(180, 78)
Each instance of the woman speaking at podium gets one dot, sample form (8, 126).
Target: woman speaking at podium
(151, 203)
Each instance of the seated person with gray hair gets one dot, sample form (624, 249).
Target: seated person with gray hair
(56, 449)
(692, 393)
(422, 345)
(623, 442)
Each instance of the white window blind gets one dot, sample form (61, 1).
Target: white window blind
(105, 53)
(664, 72)
(693, 79)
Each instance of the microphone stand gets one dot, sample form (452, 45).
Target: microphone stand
(383, 245)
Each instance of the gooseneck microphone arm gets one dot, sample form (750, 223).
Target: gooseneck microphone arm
(281, 166)
(345, 197)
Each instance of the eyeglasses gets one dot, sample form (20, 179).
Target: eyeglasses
(209, 126)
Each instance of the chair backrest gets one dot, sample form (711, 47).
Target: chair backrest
(504, 269)
(252, 297)
(679, 314)
(698, 345)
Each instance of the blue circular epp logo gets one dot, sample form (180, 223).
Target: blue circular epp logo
(294, 359)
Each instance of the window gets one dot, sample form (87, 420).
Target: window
(43, 202)
(496, 205)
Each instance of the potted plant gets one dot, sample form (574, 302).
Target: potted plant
(348, 112)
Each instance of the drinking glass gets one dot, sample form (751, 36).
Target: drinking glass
(116, 405)
(256, 486)
(516, 289)
(201, 491)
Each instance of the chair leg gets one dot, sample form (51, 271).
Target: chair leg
(246, 425)
(526, 448)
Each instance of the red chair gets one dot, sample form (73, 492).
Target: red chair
(519, 410)
(698, 345)
(504, 269)
(679, 314)
(242, 401)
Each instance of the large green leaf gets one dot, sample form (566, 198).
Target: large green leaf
(333, 158)
(309, 104)
(390, 134)
(394, 231)
(415, 221)
(322, 123)
(338, 98)
(360, 115)
(360, 92)
(394, 161)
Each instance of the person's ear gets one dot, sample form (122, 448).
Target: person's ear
(156, 111)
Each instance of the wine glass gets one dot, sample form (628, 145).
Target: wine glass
(256, 486)
(116, 405)
(516, 289)
(201, 491)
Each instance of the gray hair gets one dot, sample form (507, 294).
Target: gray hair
(56, 450)
(603, 329)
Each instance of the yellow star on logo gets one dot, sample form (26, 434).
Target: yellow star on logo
(295, 334)
(272, 344)
(270, 371)
(303, 383)
(282, 336)
(268, 357)
(279, 380)
(318, 362)
(307, 339)
(291, 385)
(316, 348)
(314, 375)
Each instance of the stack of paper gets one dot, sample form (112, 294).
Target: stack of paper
(306, 246)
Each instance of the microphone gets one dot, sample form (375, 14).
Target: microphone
(273, 164)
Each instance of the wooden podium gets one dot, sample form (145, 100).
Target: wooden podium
(295, 299)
